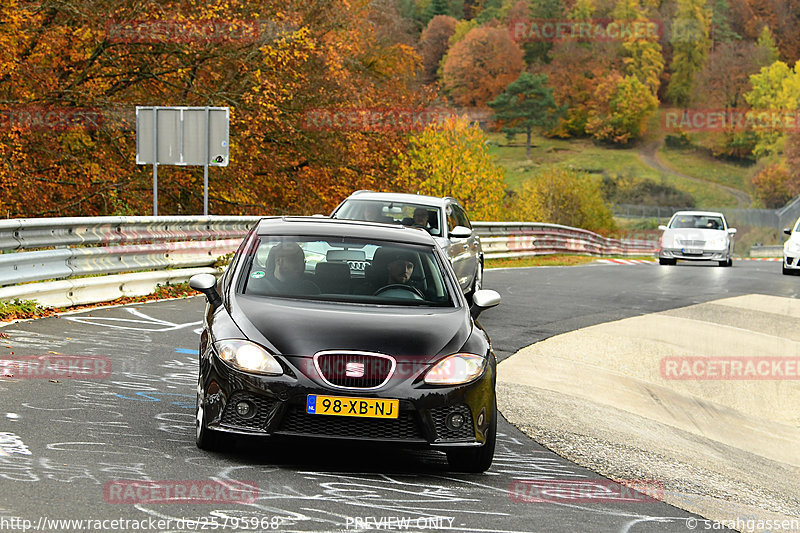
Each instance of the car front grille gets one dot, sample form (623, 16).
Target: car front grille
(698, 244)
(298, 422)
(439, 416)
(354, 370)
(257, 422)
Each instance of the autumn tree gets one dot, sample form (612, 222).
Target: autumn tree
(562, 196)
(452, 159)
(527, 103)
(582, 10)
(722, 84)
(726, 75)
(792, 157)
(642, 54)
(433, 44)
(574, 73)
(622, 108)
(463, 27)
(775, 186)
(776, 91)
(766, 45)
(480, 66)
(690, 44)
(270, 63)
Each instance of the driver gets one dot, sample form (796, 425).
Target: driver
(286, 267)
(399, 269)
(421, 218)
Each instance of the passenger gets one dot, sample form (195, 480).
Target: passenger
(372, 213)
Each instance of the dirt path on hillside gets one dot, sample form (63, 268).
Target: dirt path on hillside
(648, 153)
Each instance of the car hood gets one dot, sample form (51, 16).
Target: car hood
(303, 328)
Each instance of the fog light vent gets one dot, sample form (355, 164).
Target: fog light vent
(245, 409)
(455, 421)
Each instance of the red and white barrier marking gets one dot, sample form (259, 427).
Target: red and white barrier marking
(628, 261)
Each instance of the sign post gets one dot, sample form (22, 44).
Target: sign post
(182, 136)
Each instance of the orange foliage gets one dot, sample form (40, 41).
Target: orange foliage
(305, 54)
(480, 66)
(433, 44)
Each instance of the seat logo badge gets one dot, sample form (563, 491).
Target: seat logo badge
(354, 370)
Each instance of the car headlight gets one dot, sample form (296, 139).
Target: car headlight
(248, 356)
(792, 247)
(456, 369)
(718, 242)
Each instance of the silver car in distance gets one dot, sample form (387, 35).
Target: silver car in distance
(697, 236)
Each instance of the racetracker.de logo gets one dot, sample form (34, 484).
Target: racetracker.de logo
(179, 491)
(39, 118)
(195, 31)
(592, 30)
(584, 491)
(56, 367)
(730, 119)
(730, 368)
(374, 119)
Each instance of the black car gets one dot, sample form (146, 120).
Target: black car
(341, 329)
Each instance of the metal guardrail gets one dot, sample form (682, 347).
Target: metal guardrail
(152, 250)
(171, 249)
(766, 251)
(771, 218)
(520, 239)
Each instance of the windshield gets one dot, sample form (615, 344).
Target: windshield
(408, 214)
(339, 269)
(697, 222)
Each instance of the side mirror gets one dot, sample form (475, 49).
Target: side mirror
(460, 232)
(662, 227)
(787, 231)
(483, 300)
(207, 284)
(732, 231)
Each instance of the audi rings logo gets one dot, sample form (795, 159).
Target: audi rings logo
(358, 265)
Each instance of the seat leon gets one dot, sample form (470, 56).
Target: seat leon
(338, 329)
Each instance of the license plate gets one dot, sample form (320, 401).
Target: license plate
(360, 407)
(694, 251)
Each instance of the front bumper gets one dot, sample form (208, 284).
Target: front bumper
(707, 255)
(791, 262)
(280, 407)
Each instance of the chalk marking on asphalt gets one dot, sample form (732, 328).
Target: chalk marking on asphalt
(110, 322)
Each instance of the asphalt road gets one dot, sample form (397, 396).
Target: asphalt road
(65, 445)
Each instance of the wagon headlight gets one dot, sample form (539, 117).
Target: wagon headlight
(248, 356)
(456, 369)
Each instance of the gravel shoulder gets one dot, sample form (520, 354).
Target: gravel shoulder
(724, 449)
